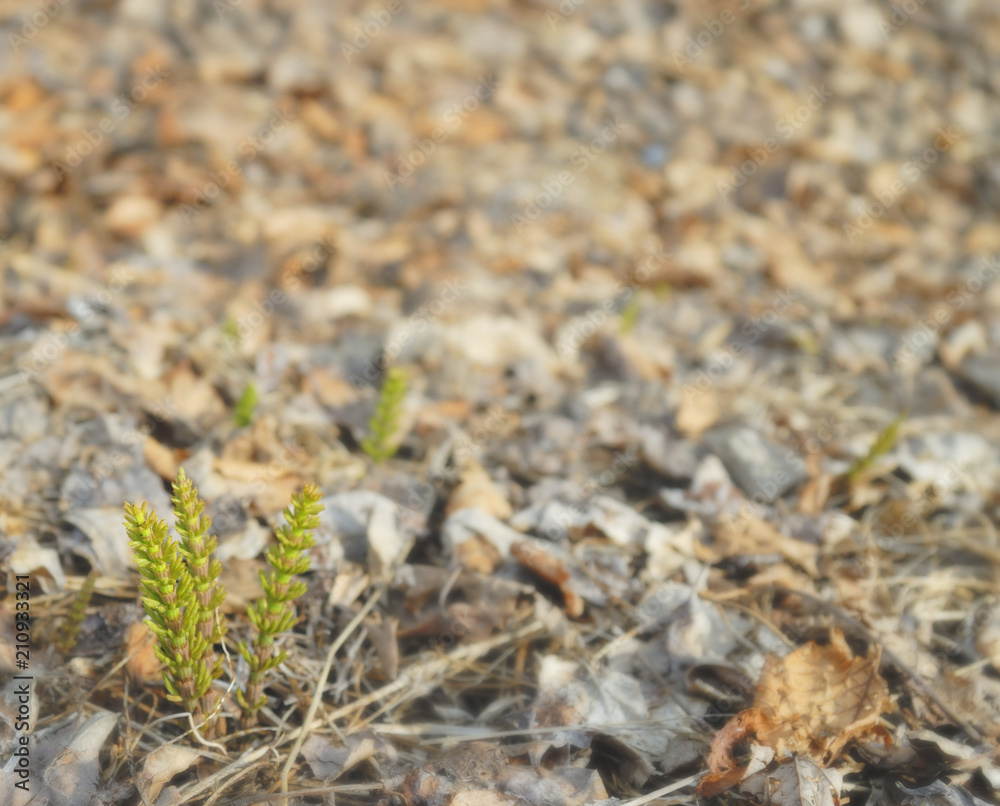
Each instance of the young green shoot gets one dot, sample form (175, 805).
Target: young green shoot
(245, 406)
(384, 423)
(274, 613)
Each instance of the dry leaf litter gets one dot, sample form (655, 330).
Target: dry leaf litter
(696, 485)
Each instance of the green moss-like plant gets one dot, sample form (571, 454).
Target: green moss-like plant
(245, 406)
(274, 612)
(181, 594)
(196, 547)
(70, 629)
(385, 421)
(167, 592)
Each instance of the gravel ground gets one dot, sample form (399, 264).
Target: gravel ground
(691, 296)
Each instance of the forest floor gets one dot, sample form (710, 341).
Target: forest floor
(696, 479)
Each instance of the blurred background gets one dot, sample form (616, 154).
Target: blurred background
(697, 213)
(846, 149)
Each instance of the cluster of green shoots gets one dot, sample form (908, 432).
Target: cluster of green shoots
(181, 594)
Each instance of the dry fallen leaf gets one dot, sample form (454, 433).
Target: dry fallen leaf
(551, 569)
(330, 759)
(724, 769)
(698, 411)
(795, 782)
(383, 634)
(142, 666)
(161, 765)
(819, 698)
(810, 703)
(160, 458)
(752, 535)
(478, 554)
(478, 491)
(194, 397)
(937, 793)
(69, 761)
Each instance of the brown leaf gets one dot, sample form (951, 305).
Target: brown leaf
(384, 637)
(819, 698)
(551, 569)
(478, 491)
(142, 666)
(725, 769)
(816, 491)
(194, 397)
(160, 458)
(478, 554)
(810, 703)
(697, 412)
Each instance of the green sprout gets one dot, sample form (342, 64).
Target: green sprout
(630, 315)
(245, 406)
(167, 592)
(384, 423)
(231, 331)
(883, 444)
(181, 595)
(196, 547)
(70, 629)
(274, 612)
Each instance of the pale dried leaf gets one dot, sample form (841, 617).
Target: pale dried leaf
(481, 797)
(67, 762)
(478, 491)
(795, 782)
(163, 764)
(329, 760)
(939, 794)
(563, 786)
(698, 411)
(108, 550)
(41, 563)
(753, 535)
(387, 542)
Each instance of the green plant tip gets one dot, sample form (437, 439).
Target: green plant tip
(245, 406)
(383, 427)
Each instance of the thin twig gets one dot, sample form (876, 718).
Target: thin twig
(431, 669)
(302, 793)
(227, 775)
(684, 782)
(321, 683)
